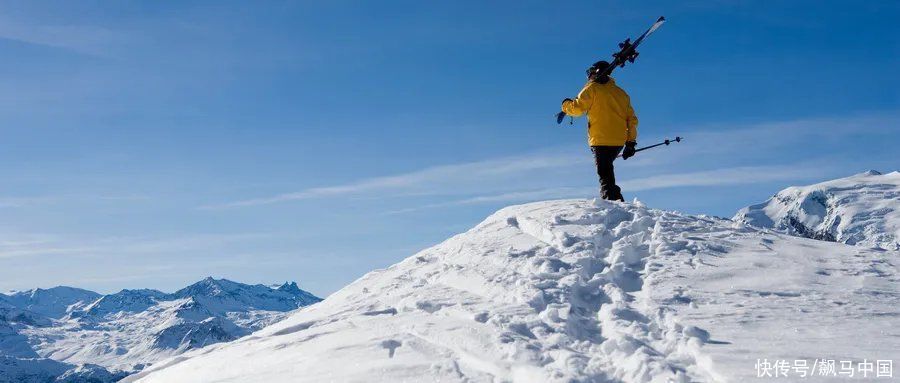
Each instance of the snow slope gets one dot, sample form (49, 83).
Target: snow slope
(576, 290)
(72, 338)
(863, 210)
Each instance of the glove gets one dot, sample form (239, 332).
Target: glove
(629, 150)
(561, 115)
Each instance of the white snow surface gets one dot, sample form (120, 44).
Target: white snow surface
(579, 291)
(862, 210)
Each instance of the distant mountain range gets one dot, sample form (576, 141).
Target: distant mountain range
(67, 334)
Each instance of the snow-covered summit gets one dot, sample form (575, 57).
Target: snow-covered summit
(576, 290)
(290, 287)
(222, 295)
(125, 301)
(863, 210)
(53, 302)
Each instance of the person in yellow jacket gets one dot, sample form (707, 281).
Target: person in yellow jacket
(612, 125)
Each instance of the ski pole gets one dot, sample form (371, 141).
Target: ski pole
(666, 142)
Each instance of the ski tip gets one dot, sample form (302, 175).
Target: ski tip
(660, 19)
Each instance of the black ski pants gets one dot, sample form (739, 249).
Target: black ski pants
(603, 158)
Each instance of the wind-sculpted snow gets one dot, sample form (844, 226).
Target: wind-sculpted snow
(567, 291)
(862, 210)
(126, 331)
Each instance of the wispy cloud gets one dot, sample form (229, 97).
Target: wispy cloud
(428, 178)
(515, 196)
(17, 245)
(25, 245)
(35, 201)
(18, 202)
(84, 39)
(504, 176)
(722, 177)
(720, 138)
(718, 177)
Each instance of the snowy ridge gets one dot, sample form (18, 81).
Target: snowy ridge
(128, 330)
(223, 295)
(576, 290)
(126, 301)
(53, 302)
(540, 292)
(863, 210)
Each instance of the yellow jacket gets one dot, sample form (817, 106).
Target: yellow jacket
(611, 119)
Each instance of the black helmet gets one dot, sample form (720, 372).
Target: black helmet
(593, 72)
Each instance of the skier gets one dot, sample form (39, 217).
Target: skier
(612, 124)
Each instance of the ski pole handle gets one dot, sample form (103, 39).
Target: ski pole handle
(559, 117)
(666, 142)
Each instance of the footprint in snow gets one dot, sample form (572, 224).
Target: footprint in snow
(391, 345)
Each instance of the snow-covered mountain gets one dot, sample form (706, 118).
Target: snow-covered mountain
(862, 210)
(53, 303)
(44, 370)
(221, 296)
(19, 363)
(586, 291)
(75, 335)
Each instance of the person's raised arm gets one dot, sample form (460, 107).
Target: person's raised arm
(580, 104)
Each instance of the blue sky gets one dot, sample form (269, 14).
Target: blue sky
(150, 144)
